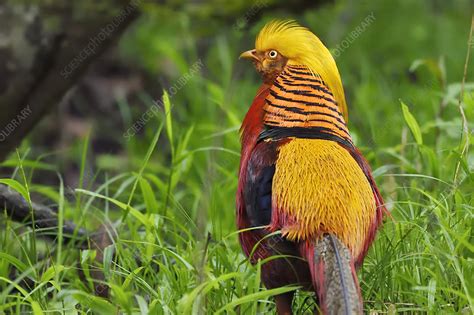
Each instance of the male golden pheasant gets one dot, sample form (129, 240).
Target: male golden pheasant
(306, 194)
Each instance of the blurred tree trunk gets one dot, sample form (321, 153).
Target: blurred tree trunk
(44, 48)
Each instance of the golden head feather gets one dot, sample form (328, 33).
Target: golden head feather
(302, 47)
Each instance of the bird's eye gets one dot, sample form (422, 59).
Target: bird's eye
(273, 54)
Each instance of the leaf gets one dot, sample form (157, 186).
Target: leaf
(16, 186)
(122, 297)
(31, 164)
(169, 125)
(36, 308)
(130, 277)
(431, 293)
(149, 196)
(14, 261)
(186, 303)
(87, 254)
(107, 260)
(137, 214)
(430, 160)
(412, 124)
(142, 305)
(97, 304)
(51, 272)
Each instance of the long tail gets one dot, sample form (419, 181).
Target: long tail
(334, 277)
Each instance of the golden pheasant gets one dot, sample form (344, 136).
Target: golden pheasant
(305, 194)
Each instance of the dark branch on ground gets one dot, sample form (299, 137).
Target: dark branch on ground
(44, 218)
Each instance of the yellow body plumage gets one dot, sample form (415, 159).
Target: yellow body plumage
(320, 187)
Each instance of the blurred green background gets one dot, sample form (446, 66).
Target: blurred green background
(175, 164)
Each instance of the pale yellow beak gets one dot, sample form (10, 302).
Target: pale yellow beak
(249, 54)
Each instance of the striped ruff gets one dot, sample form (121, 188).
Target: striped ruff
(298, 99)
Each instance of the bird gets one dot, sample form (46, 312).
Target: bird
(307, 204)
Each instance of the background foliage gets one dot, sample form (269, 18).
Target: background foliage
(167, 187)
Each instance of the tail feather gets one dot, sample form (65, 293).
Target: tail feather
(334, 278)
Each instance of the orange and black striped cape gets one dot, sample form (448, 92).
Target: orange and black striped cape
(298, 100)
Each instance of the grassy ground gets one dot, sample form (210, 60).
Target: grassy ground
(170, 197)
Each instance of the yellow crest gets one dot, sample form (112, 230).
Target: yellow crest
(302, 47)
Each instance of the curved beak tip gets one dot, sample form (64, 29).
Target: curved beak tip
(249, 54)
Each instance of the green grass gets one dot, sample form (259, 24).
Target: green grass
(170, 197)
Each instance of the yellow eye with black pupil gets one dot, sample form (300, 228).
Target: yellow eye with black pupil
(273, 54)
